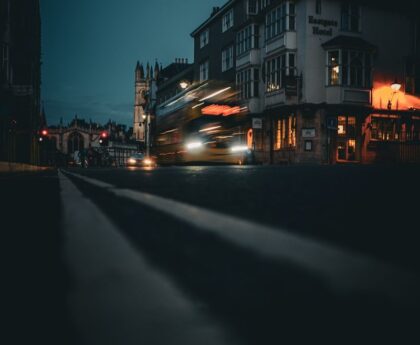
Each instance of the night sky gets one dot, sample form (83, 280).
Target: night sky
(90, 48)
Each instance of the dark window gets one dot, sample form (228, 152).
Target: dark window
(318, 7)
(350, 17)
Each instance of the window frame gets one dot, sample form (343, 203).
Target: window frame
(247, 82)
(206, 35)
(227, 56)
(248, 7)
(347, 17)
(348, 75)
(280, 19)
(247, 39)
(227, 20)
(318, 6)
(285, 132)
(278, 69)
(204, 70)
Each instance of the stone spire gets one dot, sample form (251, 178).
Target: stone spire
(148, 72)
(156, 70)
(139, 72)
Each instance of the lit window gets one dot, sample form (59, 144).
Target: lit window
(227, 21)
(333, 67)
(227, 58)
(278, 69)
(204, 71)
(286, 132)
(349, 68)
(204, 38)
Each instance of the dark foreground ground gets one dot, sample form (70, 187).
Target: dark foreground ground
(332, 255)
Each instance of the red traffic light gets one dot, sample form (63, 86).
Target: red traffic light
(104, 134)
(44, 132)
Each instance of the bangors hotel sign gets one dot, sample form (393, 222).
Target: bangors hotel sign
(323, 26)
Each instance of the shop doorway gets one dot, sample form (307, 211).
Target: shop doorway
(346, 150)
(346, 139)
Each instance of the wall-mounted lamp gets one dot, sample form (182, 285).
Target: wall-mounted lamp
(395, 86)
(183, 84)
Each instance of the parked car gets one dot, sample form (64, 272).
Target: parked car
(141, 160)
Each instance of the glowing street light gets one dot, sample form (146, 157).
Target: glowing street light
(183, 84)
(396, 86)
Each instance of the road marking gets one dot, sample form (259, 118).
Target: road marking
(116, 298)
(344, 270)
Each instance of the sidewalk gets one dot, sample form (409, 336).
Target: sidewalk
(6, 167)
(35, 280)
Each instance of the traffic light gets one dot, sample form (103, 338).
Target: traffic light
(43, 135)
(103, 139)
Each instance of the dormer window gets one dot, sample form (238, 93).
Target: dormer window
(227, 21)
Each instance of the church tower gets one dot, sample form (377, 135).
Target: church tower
(141, 87)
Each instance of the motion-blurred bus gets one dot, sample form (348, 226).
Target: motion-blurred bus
(203, 124)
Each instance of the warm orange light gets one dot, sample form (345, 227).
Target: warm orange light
(216, 109)
(382, 93)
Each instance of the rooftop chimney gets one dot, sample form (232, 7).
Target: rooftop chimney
(215, 10)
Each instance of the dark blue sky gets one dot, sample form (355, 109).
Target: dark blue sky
(90, 48)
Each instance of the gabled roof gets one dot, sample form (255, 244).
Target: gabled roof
(213, 17)
(350, 42)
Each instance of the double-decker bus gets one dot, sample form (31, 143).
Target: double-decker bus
(203, 124)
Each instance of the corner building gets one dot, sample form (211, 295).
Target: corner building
(332, 81)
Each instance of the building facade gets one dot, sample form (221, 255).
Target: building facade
(20, 79)
(325, 84)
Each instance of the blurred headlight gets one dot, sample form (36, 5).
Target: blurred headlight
(131, 161)
(193, 145)
(148, 161)
(239, 148)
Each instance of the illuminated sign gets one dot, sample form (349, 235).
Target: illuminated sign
(217, 110)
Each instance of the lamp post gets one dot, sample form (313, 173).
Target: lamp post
(395, 86)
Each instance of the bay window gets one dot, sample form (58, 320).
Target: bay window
(247, 39)
(247, 83)
(349, 68)
(278, 69)
(280, 19)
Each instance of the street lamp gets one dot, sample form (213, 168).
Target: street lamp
(395, 87)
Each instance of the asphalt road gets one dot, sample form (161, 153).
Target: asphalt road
(238, 255)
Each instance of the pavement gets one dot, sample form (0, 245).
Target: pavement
(215, 255)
